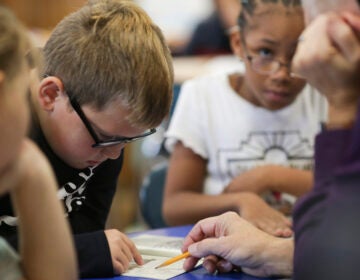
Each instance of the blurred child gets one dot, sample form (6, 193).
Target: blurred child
(107, 81)
(237, 137)
(26, 174)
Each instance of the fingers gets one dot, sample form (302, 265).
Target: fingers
(204, 239)
(134, 252)
(190, 263)
(283, 233)
(224, 266)
(210, 227)
(214, 264)
(119, 267)
(344, 37)
(122, 250)
(353, 20)
(261, 215)
(205, 247)
(275, 226)
(210, 264)
(202, 229)
(121, 260)
(313, 38)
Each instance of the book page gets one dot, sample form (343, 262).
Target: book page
(157, 245)
(148, 269)
(155, 250)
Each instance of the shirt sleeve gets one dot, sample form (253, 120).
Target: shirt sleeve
(93, 253)
(327, 220)
(9, 262)
(187, 122)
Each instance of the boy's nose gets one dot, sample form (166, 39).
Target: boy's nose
(113, 152)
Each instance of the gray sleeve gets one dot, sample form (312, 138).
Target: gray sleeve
(9, 262)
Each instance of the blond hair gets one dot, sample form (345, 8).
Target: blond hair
(111, 49)
(13, 44)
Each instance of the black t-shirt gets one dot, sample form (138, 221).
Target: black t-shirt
(87, 195)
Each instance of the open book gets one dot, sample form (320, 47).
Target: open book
(155, 250)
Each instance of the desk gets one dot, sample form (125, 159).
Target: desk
(197, 274)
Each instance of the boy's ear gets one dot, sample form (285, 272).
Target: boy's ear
(235, 43)
(49, 89)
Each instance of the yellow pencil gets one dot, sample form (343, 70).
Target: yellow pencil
(174, 259)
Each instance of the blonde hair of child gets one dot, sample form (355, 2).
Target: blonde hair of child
(110, 50)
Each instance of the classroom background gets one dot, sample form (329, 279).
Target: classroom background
(179, 20)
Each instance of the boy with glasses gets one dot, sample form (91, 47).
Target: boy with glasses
(107, 81)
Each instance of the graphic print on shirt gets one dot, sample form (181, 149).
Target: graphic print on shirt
(285, 148)
(72, 193)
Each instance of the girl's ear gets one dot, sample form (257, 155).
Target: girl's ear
(235, 42)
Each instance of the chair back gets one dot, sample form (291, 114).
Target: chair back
(151, 196)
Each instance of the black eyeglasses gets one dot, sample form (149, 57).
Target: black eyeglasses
(104, 143)
(264, 65)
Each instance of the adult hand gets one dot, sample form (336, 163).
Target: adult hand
(228, 241)
(122, 250)
(329, 58)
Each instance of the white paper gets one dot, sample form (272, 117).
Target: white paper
(155, 250)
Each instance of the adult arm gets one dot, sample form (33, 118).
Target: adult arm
(329, 58)
(327, 220)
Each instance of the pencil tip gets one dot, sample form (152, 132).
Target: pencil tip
(160, 265)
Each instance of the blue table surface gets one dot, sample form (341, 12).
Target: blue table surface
(199, 273)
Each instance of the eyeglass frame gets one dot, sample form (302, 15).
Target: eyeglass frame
(251, 58)
(103, 143)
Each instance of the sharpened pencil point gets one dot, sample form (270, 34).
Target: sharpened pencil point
(174, 259)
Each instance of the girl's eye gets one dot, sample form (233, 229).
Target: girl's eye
(265, 53)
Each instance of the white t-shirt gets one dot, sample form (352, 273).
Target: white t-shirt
(234, 135)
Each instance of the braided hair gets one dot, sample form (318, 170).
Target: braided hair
(249, 6)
